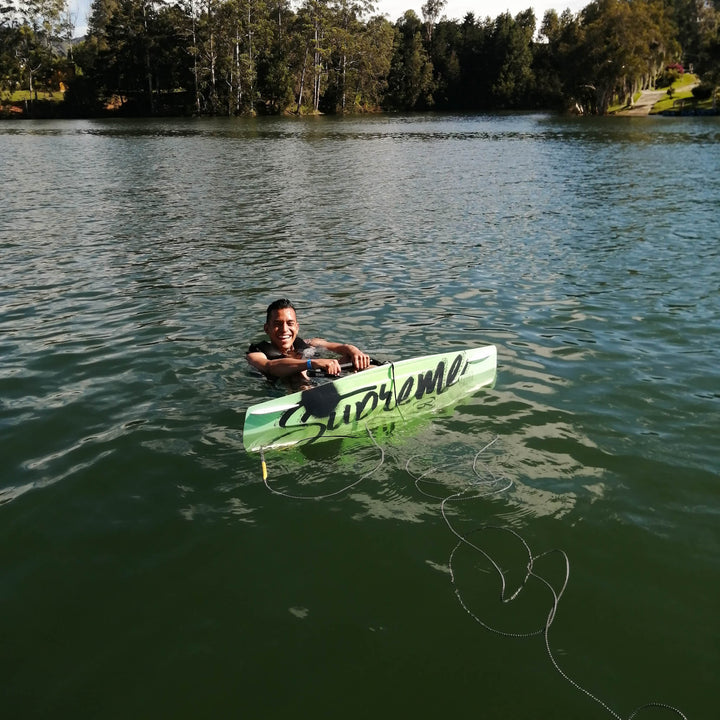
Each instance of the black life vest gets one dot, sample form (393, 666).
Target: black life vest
(272, 353)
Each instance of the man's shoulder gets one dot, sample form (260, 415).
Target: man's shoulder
(263, 347)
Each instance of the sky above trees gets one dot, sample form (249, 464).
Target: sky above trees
(454, 9)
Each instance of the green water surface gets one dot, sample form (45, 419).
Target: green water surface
(145, 568)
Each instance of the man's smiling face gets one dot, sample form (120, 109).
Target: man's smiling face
(282, 329)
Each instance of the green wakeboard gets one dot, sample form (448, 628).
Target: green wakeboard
(350, 404)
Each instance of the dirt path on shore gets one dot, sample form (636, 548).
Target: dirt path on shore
(643, 105)
(648, 98)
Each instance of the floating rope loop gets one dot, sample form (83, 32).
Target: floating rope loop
(483, 485)
(335, 493)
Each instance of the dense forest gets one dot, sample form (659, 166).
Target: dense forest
(234, 57)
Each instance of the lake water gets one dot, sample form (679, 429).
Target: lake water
(145, 568)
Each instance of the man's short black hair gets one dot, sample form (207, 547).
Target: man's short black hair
(280, 304)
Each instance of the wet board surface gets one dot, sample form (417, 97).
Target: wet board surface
(350, 404)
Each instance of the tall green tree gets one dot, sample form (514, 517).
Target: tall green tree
(143, 53)
(346, 29)
(410, 81)
(445, 49)
(546, 66)
(512, 59)
(559, 64)
(48, 19)
(313, 26)
(100, 13)
(244, 29)
(34, 36)
(208, 36)
(709, 48)
(275, 71)
(373, 66)
(431, 10)
(476, 64)
(611, 49)
(626, 43)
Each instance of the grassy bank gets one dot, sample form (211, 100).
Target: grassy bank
(50, 104)
(681, 98)
(674, 99)
(23, 103)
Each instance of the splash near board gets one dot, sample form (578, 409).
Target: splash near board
(360, 400)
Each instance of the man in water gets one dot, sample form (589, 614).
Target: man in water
(288, 356)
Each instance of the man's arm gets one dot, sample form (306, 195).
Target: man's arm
(286, 366)
(348, 352)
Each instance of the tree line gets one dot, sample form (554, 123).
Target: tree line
(234, 57)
